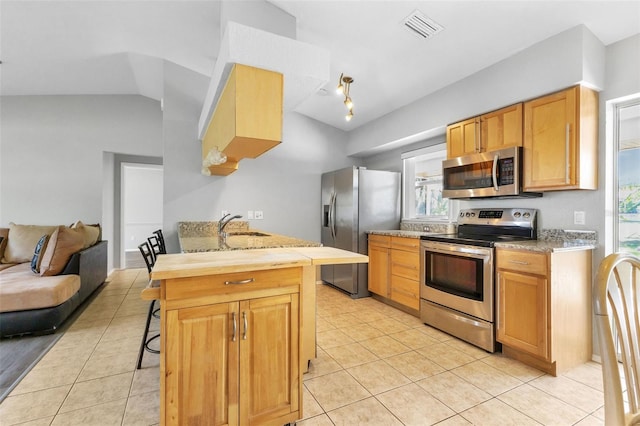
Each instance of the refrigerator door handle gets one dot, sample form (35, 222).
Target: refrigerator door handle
(332, 215)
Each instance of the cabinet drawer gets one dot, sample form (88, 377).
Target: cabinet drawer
(194, 287)
(404, 243)
(381, 240)
(406, 292)
(524, 261)
(405, 264)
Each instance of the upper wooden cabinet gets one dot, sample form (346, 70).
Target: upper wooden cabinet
(502, 128)
(561, 141)
(463, 137)
(247, 120)
(495, 130)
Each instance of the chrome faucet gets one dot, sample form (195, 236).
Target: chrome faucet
(222, 223)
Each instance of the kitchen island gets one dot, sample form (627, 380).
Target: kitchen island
(234, 336)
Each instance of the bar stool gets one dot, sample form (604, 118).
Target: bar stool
(151, 292)
(163, 247)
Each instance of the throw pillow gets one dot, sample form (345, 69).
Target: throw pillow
(37, 253)
(62, 244)
(90, 233)
(4, 233)
(21, 241)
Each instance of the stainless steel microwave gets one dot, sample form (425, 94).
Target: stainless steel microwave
(486, 174)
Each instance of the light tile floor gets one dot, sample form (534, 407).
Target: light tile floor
(376, 366)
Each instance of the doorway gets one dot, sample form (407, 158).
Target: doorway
(141, 209)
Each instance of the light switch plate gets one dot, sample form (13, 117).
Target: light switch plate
(258, 214)
(250, 214)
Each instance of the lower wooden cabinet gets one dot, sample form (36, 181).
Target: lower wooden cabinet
(405, 271)
(378, 269)
(394, 270)
(544, 307)
(234, 363)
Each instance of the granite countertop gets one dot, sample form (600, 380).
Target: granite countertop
(197, 237)
(549, 246)
(549, 240)
(400, 233)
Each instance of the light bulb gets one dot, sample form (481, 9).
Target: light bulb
(348, 103)
(349, 116)
(340, 88)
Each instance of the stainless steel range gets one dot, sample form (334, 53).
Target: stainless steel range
(457, 272)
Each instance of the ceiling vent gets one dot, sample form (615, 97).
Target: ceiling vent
(422, 26)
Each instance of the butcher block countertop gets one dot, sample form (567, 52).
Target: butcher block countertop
(184, 265)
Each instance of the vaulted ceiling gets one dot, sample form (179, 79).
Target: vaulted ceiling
(117, 47)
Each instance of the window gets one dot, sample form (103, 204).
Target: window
(623, 186)
(422, 184)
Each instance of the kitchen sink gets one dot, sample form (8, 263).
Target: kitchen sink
(247, 234)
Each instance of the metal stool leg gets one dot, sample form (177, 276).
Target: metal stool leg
(145, 342)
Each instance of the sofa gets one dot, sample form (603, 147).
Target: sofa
(42, 286)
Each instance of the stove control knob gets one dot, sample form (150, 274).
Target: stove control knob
(461, 214)
(516, 214)
(468, 214)
(473, 214)
(526, 214)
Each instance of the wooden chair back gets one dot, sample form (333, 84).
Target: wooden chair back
(616, 302)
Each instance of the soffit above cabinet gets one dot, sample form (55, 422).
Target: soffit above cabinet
(305, 68)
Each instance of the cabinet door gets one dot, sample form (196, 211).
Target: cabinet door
(502, 128)
(550, 142)
(202, 366)
(378, 270)
(523, 312)
(463, 138)
(269, 365)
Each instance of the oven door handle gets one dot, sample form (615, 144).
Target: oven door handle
(494, 172)
(476, 252)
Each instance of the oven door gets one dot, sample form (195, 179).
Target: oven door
(458, 276)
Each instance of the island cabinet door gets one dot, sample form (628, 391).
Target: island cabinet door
(269, 365)
(202, 365)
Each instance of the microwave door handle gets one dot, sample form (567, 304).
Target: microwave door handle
(494, 173)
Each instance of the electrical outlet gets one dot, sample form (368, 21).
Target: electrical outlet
(250, 214)
(579, 218)
(258, 214)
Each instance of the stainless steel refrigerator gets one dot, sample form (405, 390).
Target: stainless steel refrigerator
(354, 201)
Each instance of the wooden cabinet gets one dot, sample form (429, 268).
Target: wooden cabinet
(378, 268)
(501, 129)
(560, 141)
(247, 120)
(495, 130)
(405, 271)
(394, 270)
(463, 138)
(233, 355)
(544, 307)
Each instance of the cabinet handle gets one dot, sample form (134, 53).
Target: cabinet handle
(247, 281)
(235, 326)
(519, 262)
(478, 136)
(244, 319)
(566, 152)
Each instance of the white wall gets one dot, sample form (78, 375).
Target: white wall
(52, 154)
(284, 183)
(558, 62)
